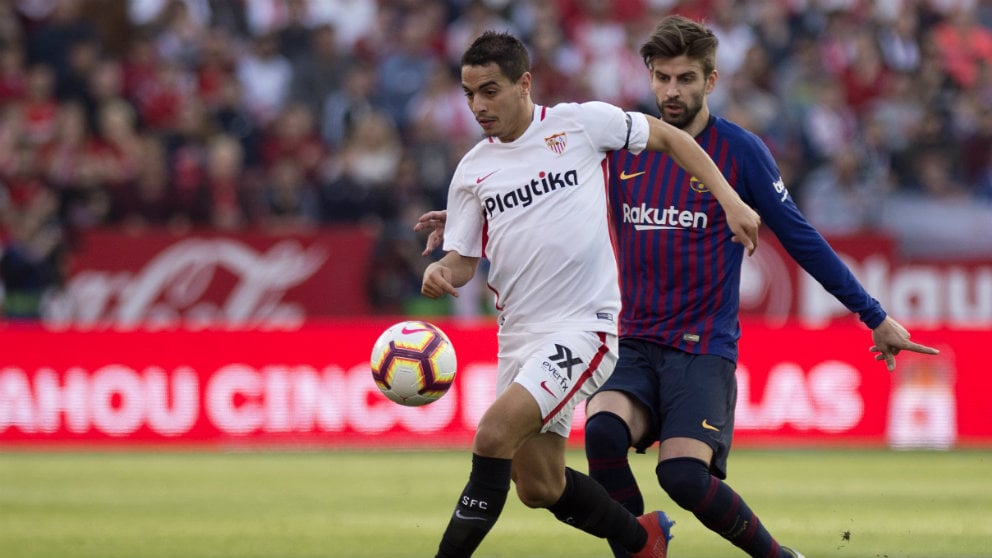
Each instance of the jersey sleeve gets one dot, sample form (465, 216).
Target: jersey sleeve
(611, 128)
(767, 193)
(464, 226)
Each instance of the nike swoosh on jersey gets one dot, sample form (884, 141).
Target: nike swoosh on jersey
(625, 176)
(709, 426)
(481, 178)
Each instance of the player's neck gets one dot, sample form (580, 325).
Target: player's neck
(700, 122)
(526, 118)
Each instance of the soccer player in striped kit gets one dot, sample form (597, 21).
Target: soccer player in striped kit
(680, 279)
(531, 197)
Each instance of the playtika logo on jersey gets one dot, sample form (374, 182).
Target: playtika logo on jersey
(545, 183)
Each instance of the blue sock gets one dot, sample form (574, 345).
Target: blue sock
(689, 483)
(607, 444)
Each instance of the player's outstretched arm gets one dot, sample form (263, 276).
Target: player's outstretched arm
(744, 222)
(890, 337)
(447, 274)
(433, 221)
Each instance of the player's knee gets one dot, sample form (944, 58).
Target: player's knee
(535, 493)
(494, 440)
(607, 435)
(685, 479)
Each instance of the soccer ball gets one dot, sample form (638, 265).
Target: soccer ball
(413, 363)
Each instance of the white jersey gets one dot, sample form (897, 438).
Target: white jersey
(536, 209)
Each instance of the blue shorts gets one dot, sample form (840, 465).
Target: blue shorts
(687, 395)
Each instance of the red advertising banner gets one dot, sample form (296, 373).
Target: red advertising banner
(952, 293)
(312, 387)
(253, 280)
(250, 279)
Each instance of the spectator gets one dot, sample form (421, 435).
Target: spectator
(773, 31)
(294, 134)
(291, 200)
(265, 76)
(32, 265)
(343, 108)
(558, 61)
(477, 16)
(116, 152)
(178, 32)
(159, 103)
(295, 33)
(40, 106)
(69, 167)
(865, 76)
(151, 201)
(233, 197)
(829, 123)
(13, 72)
(234, 120)
(899, 41)
(405, 70)
(838, 197)
(320, 71)
(607, 62)
(51, 44)
(215, 66)
(963, 43)
(358, 185)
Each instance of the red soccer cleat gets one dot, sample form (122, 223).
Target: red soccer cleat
(659, 528)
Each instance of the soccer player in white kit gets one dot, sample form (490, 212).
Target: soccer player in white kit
(531, 198)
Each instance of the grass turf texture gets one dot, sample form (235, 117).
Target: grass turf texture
(842, 503)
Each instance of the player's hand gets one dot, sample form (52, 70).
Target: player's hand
(433, 221)
(890, 337)
(744, 222)
(437, 282)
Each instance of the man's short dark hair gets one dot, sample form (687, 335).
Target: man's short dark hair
(678, 35)
(499, 48)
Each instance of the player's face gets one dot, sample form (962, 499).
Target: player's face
(500, 106)
(680, 89)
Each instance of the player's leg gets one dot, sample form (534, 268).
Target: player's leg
(566, 368)
(618, 417)
(507, 424)
(543, 481)
(614, 421)
(692, 456)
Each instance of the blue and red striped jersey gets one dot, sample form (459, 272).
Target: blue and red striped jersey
(679, 270)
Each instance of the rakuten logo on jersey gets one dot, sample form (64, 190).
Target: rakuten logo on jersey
(545, 183)
(646, 218)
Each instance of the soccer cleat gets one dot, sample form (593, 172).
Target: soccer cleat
(793, 553)
(659, 528)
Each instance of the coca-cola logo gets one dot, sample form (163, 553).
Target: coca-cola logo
(194, 282)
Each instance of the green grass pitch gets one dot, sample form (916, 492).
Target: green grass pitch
(349, 504)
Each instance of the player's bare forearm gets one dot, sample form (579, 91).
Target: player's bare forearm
(447, 274)
(744, 222)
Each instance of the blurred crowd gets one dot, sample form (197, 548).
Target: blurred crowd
(287, 115)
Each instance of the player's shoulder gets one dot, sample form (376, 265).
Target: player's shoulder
(734, 132)
(583, 110)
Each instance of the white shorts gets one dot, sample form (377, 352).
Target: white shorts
(560, 370)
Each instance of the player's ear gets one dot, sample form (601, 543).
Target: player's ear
(711, 81)
(525, 81)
